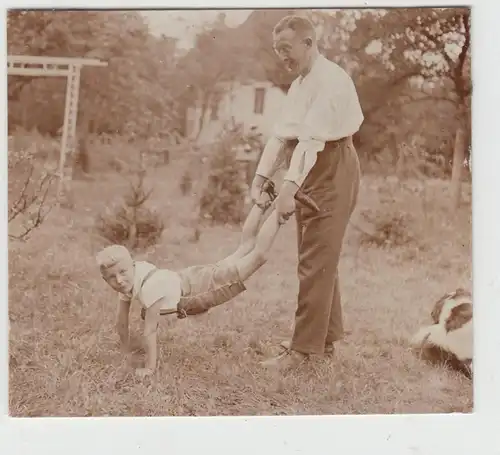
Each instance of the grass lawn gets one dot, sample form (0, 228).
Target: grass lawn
(64, 355)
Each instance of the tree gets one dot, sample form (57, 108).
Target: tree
(256, 31)
(206, 72)
(132, 92)
(401, 60)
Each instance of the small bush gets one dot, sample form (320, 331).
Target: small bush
(132, 223)
(223, 199)
(116, 225)
(390, 231)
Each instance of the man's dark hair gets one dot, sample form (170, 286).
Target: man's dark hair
(299, 24)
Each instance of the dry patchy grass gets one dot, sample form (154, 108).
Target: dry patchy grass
(64, 356)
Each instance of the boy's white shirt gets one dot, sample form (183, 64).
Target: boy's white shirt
(163, 284)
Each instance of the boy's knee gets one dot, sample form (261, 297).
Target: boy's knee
(261, 257)
(258, 258)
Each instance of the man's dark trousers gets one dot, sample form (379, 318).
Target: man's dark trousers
(333, 183)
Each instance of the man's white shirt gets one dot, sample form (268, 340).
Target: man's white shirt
(319, 107)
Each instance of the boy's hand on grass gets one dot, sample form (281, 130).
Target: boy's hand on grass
(143, 372)
(128, 357)
(125, 350)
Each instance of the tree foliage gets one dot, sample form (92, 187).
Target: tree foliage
(411, 67)
(412, 70)
(123, 96)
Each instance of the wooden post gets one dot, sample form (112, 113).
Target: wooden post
(458, 164)
(69, 127)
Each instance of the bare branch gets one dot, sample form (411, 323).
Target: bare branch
(21, 203)
(39, 197)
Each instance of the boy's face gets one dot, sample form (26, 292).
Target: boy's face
(120, 276)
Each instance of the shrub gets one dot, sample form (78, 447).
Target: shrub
(131, 222)
(223, 199)
(118, 226)
(389, 230)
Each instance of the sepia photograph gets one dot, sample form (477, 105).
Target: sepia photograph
(244, 212)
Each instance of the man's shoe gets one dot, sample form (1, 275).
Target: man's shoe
(287, 360)
(329, 347)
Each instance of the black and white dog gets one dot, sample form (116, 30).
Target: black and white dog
(449, 339)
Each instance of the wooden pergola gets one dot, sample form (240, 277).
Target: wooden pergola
(23, 65)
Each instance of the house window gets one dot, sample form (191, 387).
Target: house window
(258, 106)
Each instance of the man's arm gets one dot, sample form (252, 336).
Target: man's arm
(271, 158)
(122, 323)
(270, 162)
(273, 154)
(303, 160)
(312, 135)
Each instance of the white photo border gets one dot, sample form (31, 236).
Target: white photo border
(394, 434)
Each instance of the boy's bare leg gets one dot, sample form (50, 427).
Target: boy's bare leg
(251, 227)
(252, 224)
(254, 259)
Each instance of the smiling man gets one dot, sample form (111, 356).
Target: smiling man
(313, 136)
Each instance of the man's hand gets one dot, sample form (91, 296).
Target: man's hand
(256, 190)
(143, 372)
(285, 202)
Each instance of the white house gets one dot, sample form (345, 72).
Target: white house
(250, 104)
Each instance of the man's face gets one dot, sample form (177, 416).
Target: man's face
(292, 50)
(120, 276)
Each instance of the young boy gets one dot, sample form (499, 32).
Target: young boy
(189, 291)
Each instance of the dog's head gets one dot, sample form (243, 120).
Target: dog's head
(449, 339)
(459, 297)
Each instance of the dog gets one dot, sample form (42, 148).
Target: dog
(449, 339)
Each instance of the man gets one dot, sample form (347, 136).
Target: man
(314, 136)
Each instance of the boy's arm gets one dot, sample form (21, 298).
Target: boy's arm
(160, 291)
(151, 322)
(122, 322)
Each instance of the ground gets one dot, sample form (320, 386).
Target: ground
(64, 353)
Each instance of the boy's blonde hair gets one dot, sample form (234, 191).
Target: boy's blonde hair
(112, 255)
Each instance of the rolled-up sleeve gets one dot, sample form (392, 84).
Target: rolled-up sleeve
(272, 157)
